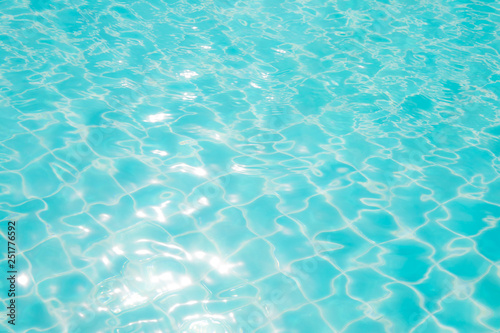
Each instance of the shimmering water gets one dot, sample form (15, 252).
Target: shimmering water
(252, 166)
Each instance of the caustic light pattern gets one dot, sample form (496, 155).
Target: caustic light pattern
(251, 166)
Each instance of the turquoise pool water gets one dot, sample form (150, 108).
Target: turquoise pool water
(251, 166)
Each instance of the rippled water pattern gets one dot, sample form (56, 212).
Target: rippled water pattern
(252, 166)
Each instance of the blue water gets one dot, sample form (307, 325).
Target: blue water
(251, 166)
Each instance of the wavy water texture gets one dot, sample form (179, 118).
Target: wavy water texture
(252, 166)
